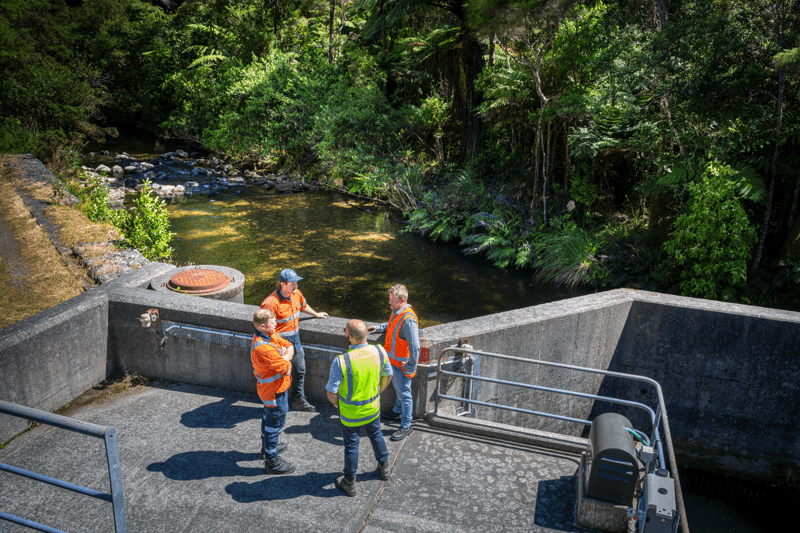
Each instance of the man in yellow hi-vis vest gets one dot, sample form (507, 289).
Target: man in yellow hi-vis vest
(357, 378)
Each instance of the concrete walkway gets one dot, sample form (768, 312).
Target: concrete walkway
(190, 463)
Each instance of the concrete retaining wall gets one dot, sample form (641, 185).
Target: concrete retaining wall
(730, 373)
(49, 359)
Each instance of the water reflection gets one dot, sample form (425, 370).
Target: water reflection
(349, 253)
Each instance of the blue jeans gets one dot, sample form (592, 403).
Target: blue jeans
(272, 422)
(351, 438)
(403, 404)
(298, 366)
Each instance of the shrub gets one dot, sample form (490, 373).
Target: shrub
(147, 229)
(710, 243)
(567, 254)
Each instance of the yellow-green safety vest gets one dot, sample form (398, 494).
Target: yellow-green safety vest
(360, 390)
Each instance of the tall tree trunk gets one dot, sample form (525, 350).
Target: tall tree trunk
(544, 101)
(566, 155)
(768, 210)
(470, 59)
(330, 33)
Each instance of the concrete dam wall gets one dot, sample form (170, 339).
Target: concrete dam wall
(730, 373)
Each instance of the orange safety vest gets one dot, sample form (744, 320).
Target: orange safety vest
(273, 373)
(287, 311)
(397, 347)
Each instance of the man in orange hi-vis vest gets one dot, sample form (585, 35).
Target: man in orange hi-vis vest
(271, 356)
(402, 343)
(287, 302)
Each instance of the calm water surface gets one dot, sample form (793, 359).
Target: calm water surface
(349, 252)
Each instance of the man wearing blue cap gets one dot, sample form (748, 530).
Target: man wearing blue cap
(287, 302)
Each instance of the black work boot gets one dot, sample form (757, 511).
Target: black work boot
(384, 468)
(281, 448)
(278, 466)
(347, 484)
(301, 404)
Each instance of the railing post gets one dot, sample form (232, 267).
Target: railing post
(115, 478)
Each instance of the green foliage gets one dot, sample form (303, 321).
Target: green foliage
(567, 255)
(94, 202)
(583, 189)
(147, 228)
(711, 242)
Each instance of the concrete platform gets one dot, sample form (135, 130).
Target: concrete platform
(190, 463)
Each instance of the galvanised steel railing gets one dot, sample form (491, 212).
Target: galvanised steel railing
(656, 417)
(108, 434)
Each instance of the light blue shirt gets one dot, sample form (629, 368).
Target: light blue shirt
(336, 375)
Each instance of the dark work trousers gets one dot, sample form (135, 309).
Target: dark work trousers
(351, 438)
(272, 422)
(298, 366)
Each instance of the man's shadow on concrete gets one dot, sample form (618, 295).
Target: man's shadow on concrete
(323, 426)
(188, 466)
(222, 414)
(286, 487)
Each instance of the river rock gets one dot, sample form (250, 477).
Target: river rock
(102, 168)
(180, 189)
(63, 197)
(131, 183)
(149, 175)
(116, 195)
(181, 153)
(130, 169)
(116, 169)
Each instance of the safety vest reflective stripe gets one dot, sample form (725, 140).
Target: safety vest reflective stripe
(268, 380)
(284, 320)
(270, 403)
(289, 333)
(357, 421)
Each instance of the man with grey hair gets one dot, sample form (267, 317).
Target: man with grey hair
(357, 378)
(402, 343)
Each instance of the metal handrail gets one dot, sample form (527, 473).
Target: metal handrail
(108, 434)
(660, 414)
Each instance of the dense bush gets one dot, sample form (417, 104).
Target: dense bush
(711, 242)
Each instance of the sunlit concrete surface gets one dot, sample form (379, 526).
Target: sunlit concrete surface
(190, 462)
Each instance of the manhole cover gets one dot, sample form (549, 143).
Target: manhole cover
(198, 281)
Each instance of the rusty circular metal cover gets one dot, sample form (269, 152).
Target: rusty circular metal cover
(198, 281)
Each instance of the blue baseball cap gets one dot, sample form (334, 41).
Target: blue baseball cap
(288, 274)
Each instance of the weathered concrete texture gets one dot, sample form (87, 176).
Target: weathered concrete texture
(582, 332)
(496, 430)
(730, 375)
(50, 358)
(459, 483)
(190, 463)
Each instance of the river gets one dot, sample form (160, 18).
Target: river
(349, 252)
